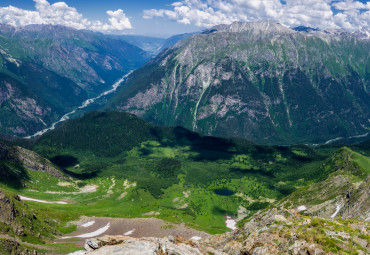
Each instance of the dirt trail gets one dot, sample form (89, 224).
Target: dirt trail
(37, 246)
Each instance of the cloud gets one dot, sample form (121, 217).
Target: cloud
(61, 14)
(349, 14)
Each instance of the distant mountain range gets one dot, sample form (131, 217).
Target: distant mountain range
(152, 45)
(47, 70)
(261, 81)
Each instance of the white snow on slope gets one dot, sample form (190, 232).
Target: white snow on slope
(129, 232)
(88, 224)
(337, 211)
(42, 201)
(92, 234)
(230, 223)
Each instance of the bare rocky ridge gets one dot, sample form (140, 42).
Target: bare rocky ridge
(33, 161)
(270, 232)
(22, 159)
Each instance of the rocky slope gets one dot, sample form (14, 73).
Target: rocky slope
(20, 224)
(271, 232)
(260, 81)
(47, 70)
(14, 162)
(345, 193)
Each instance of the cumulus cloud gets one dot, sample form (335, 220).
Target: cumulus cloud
(61, 14)
(348, 14)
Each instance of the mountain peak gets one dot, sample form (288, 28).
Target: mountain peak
(363, 33)
(263, 26)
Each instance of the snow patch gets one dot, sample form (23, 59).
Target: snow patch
(129, 232)
(42, 201)
(88, 224)
(302, 208)
(196, 238)
(337, 211)
(92, 234)
(230, 223)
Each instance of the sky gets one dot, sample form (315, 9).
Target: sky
(163, 18)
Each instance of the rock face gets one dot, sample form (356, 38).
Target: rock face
(260, 81)
(47, 70)
(297, 234)
(144, 246)
(15, 160)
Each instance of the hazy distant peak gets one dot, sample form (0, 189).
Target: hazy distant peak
(364, 33)
(265, 26)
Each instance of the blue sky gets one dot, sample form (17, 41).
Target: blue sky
(167, 17)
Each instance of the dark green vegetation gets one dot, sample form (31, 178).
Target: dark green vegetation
(45, 71)
(122, 166)
(260, 81)
(177, 172)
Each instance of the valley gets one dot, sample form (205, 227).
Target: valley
(122, 167)
(84, 105)
(246, 138)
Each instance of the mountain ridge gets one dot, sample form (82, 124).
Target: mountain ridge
(241, 77)
(48, 70)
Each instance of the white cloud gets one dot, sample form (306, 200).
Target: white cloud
(61, 14)
(350, 14)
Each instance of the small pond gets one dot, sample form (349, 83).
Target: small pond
(223, 192)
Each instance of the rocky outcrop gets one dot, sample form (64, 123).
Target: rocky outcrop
(260, 81)
(15, 161)
(271, 232)
(17, 220)
(289, 232)
(143, 246)
(33, 161)
(13, 247)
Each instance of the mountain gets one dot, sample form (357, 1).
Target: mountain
(149, 44)
(260, 81)
(171, 41)
(305, 29)
(45, 71)
(152, 45)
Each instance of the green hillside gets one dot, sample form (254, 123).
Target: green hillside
(220, 174)
(122, 166)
